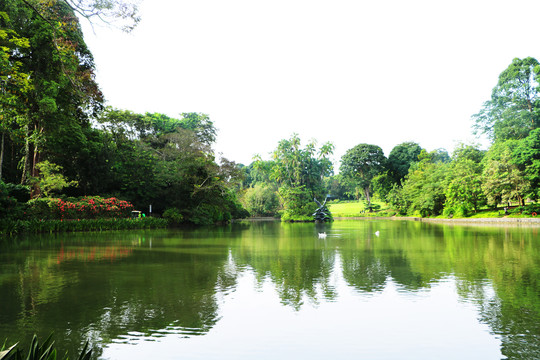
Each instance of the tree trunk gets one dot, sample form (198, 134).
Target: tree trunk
(2, 155)
(26, 161)
(31, 159)
(36, 190)
(368, 198)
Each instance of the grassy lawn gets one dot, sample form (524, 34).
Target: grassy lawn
(357, 208)
(346, 209)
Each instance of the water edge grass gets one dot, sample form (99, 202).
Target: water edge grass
(35, 226)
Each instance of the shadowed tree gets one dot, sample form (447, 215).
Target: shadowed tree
(401, 158)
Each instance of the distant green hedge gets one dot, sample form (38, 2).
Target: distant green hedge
(529, 209)
(12, 227)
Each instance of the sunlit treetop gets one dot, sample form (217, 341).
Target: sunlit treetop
(514, 108)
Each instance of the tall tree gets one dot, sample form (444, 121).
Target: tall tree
(14, 82)
(401, 158)
(502, 179)
(424, 186)
(527, 157)
(514, 108)
(159, 160)
(139, 126)
(296, 166)
(464, 177)
(299, 173)
(42, 43)
(63, 91)
(361, 164)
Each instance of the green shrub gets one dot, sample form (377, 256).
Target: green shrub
(529, 209)
(298, 204)
(457, 210)
(387, 213)
(20, 192)
(516, 211)
(371, 207)
(40, 208)
(173, 215)
(261, 200)
(208, 214)
(12, 199)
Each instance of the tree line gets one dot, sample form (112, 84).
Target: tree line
(59, 140)
(413, 180)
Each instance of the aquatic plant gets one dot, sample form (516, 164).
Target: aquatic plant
(45, 351)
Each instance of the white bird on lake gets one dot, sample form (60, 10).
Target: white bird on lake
(377, 233)
(322, 235)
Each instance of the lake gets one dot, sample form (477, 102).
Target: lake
(377, 289)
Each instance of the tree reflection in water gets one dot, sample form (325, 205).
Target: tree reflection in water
(122, 287)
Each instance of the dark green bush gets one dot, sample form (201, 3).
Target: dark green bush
(19, 192)
(173, 215)
(12, 199)
(208, 214)
(40, 209)
(532, 208)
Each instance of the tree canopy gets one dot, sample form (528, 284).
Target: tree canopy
(514, 108)
(51, 106)
(402, 157)
(361, 164)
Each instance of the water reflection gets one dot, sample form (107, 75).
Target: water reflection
(290, 258)
(126, 289)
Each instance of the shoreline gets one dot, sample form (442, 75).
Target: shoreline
(478, 221)
(493, 221)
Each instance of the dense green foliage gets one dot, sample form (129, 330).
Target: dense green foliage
(401, 158)
(51, 106)
(464, 193)
(514, 108)
(295, 174)
(414, 181)
(59, 141)
(261, 199)
(527, 158)
(417, 182)
(361, 164)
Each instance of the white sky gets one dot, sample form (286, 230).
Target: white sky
(346, 71)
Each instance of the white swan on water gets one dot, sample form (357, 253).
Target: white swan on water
(322, 235)
(377, 233)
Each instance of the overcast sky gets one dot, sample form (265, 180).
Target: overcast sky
(345, 71)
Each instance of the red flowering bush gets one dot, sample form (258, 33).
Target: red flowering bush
(94, 207)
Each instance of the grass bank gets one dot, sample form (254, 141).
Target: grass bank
(13, 227)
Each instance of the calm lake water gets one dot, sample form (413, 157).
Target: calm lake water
(266, 290)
